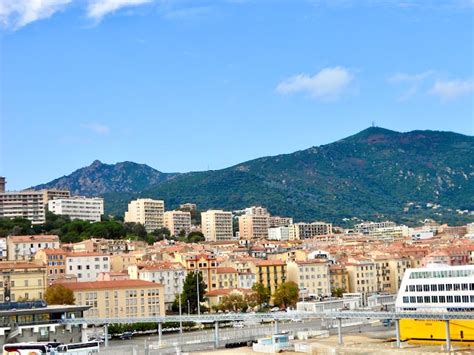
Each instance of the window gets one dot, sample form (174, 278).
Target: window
(441, 287)
(457, 287)
(465, 299)
(457, 299)
(419, 288)
(434, 288)
(26, 283)
(419, 299)
(412, 299)
(426, 288)
(412, 288)
(434, 299)
(449, 299)
(405, 299)
(449, 287)
(464, 287)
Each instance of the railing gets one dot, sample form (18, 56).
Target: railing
(276, 316)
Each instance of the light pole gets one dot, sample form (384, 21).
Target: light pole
(189, 309)
(198, 298)
(180, 274)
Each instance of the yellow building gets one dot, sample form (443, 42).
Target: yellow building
(121, 262)
(270, 273)
(339, 278)
(206, 264)
(362, 276)
(22, 281)
(120, 298)
(227, 277)
(311, 276)
(55, 261)
(434, 331)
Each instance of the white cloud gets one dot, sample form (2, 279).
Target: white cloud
(412, 81)
(448, 90)
(97, 9)
(18, 13)
(98, 128)
(327, 84)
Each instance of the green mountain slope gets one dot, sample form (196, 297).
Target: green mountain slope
(375, 174)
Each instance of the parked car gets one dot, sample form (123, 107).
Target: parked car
(238, 325)
(126, 335)
(275, 309)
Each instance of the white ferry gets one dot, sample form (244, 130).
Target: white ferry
(439, 288)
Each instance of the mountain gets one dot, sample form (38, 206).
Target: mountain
(99, 179)
(375, 174)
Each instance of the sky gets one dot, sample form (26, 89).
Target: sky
(205, 84)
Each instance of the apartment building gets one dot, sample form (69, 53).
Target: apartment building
(55, 261)
(107, 246)
(170, 275)
(177, 221)
(311, 276)
(276, 221)
(3, 249)
(279, 233)
(78, 207)
(362, 276)
(204, 263)
(21, 281)
(24, 247)
(87, 266)
(256, 211)
(369, 227)
(227, 277)
(147, 212)
(308, 230)
(253, 226)
(121, 262)
(119, 298)
(270, 273)
(188, 207)
(217, 225)
(28, 204)
(339, 277)
(246, 279)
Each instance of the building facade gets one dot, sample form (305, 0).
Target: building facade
(55, 261)
(119, 299)
(24, 247)
(309, 230)
(87, 266)
(147, 212)
(279, 233)
(311, 276)
(253, 226)
(177, 221)
(78, 207)
(22, 281)
(217, 225)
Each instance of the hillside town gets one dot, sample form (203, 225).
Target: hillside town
(239, 252)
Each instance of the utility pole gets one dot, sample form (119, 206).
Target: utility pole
(198, 298)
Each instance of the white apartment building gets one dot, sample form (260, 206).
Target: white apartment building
(368, 227)
(78, 207)
(170, 275)
(309, 230)
(3, 249)
(24, 247)
(28, 204)
(246, 279)
(276, 221)
(256, 210)
(311, 276)
(87, 266)
(147, 212)
(279, 233)
(253, 226)
(217, 225)
(176, 221)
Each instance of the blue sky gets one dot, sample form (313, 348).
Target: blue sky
(191, 85)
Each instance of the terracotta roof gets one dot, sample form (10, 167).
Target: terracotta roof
(50, 251)
(99, 285)
(269, 263)
(226, 270)
(84, 254)
(33, 238)
(311, 261)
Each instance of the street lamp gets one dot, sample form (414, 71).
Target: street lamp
(180, 290)
(197, 288)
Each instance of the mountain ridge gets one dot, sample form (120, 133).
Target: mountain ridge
(374, 174)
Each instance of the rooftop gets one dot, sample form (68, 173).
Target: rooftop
(100, 285)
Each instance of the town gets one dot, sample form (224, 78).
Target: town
(241, 261)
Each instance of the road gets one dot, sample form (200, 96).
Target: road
(137, 344)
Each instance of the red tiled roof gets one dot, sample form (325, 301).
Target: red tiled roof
(4, 265)
(269, 263)
(84, 254)
(34, 238)
(226, 270)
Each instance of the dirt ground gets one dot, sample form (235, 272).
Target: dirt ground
(353, 344)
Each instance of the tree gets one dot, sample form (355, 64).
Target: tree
(58, 294)
(337, 292)
(190, 291)
(195, 237)
(234, 302)
(263, 294)
(286, 294)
